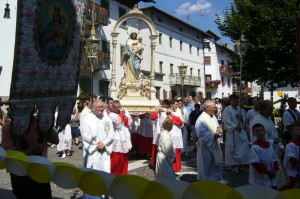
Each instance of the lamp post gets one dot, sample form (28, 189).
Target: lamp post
(182, 71)
(241, 50)
(92, 48)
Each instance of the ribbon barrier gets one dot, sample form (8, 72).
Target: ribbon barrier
(98, 183)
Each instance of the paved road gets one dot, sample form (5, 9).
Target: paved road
(138, 165)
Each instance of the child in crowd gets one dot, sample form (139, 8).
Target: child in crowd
(263, 163)
(166, 154)
(291, 158)
(65, 141)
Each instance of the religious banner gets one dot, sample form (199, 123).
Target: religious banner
(46, 61)
(298, 43)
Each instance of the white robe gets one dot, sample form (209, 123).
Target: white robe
(267, 157)
(271, 133)
(122, 137)
(292, 151)
(96, 129)
(269, 126)
(207, 169)
(158, 126)
(184, 130)
(65, 139)
(176, 133)
(165, 157)
(237, 145)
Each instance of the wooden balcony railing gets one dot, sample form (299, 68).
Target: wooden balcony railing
(175, 79)
(100, 13)
(226, 69)
(101, 63)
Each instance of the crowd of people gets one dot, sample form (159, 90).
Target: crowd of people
(252, 142)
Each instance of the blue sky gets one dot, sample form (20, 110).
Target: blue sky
(189, 11)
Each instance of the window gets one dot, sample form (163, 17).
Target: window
(85, 84)
(171, 69)
(191, 48)
(122, 12)
(161, 67)
(208, 95)
(191, 72)
(207, 61)
(198, 53)
(222, 78)
(228, 81)
(222, 62)
(105, 4)
(103, 88)
(198, 72)
(105, 46)
(222, 95)
(206, 45)
(170, 41)
(180, 45)
(207, 77)
(159, 38)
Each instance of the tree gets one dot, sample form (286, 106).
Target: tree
(270, 28)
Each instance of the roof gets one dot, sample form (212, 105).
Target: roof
(176, 19)
(214, 35)
(131, 3)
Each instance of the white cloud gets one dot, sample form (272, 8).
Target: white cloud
(188, 7)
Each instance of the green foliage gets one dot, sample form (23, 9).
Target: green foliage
(270, 28)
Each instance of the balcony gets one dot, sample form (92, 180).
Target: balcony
(226, 70)
(175, 79)
(244, 88)
(101, 63)
(212, 84)
(100, 13)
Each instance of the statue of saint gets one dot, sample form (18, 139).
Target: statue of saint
(132, 57)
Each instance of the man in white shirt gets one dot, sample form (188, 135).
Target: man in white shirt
(291, 117)
(97, 136)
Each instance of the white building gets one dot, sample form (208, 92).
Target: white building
(178, 43)
(218, 73)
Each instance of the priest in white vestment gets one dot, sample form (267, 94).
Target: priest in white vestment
(237, 144)
(97, 136)
(209, 153)
(166, 154)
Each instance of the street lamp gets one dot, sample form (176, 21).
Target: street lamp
(92, 48)
(182, 71)
(241, 45)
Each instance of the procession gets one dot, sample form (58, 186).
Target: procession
(92, 111)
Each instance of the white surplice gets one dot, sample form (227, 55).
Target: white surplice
(94, 130)
(207, 169)
(237, 144)
(267, 157)
(270, 134)
(158, 125)
(122, 137)
(65, 139)
(165, 157)
(176, 133)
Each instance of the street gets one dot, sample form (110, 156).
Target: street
(138, 165)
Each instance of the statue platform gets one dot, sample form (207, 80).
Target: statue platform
(139, 104)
